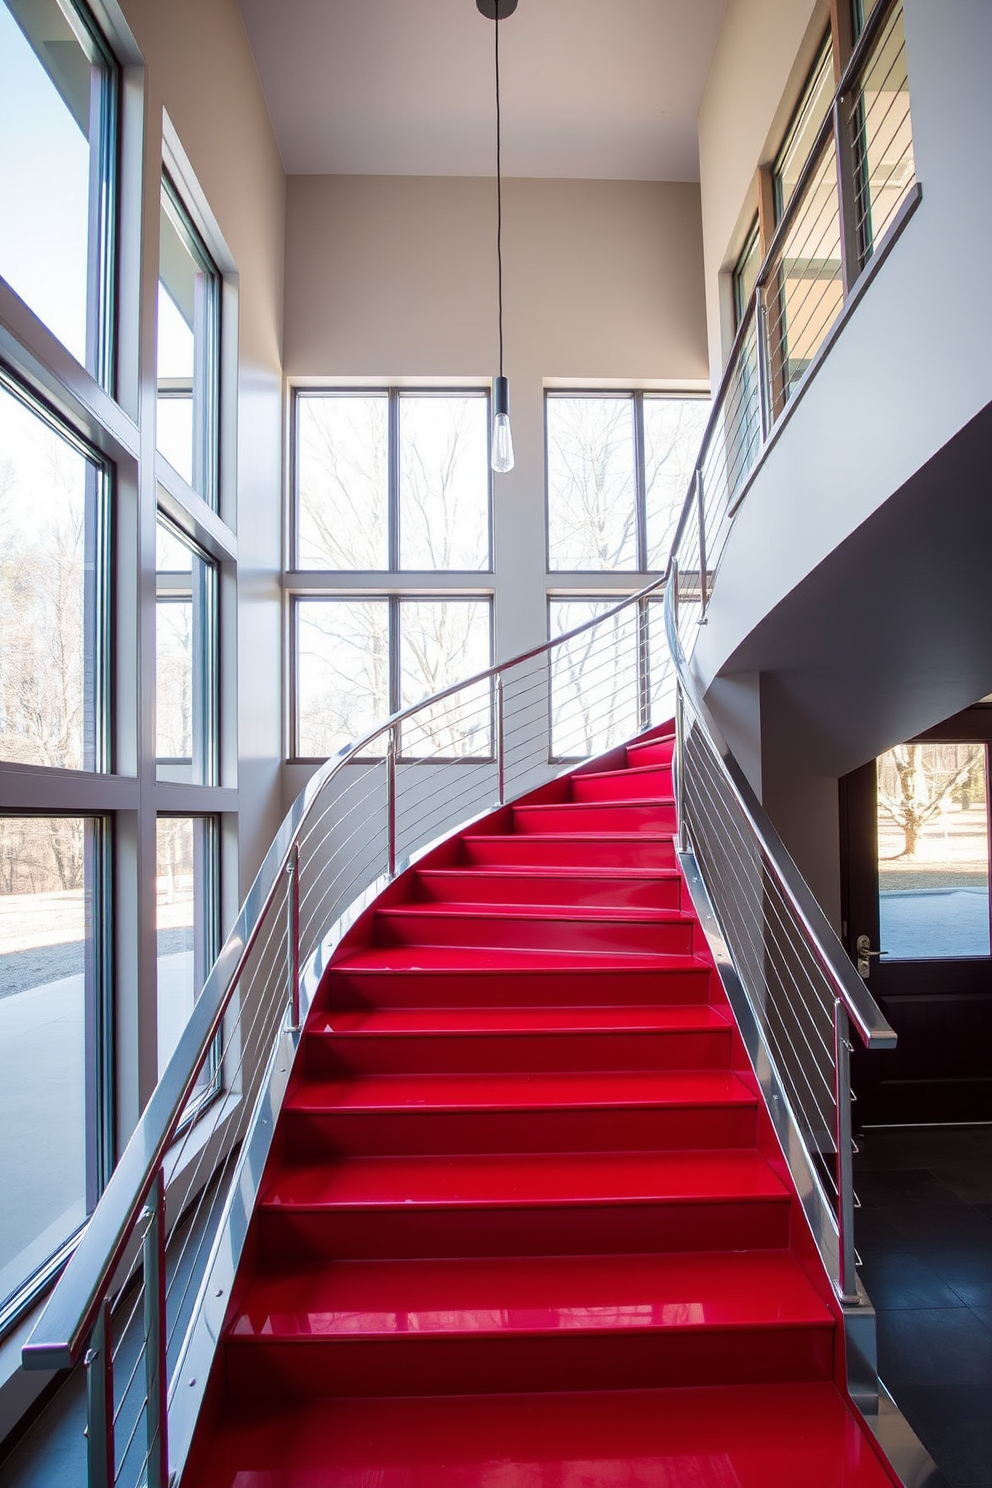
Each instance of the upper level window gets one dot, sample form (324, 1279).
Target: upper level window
(861, 10)
(389, 481)
(188, 348)
(54, 578)
(58, 127)
(619, 466)
(812, 109)
(746, 272)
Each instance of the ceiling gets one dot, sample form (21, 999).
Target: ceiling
(600, 89)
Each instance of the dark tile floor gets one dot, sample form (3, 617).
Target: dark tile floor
(924, 1233)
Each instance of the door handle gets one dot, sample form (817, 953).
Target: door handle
(864, 952)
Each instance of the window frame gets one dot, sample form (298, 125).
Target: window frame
(99, 1084)
(98, 621)
(205, 466)
(394, 602)
(638, 396)
(394, 396)
(100, 353)
(202, 592)
(822, 62)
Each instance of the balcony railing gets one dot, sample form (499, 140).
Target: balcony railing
(851, 199)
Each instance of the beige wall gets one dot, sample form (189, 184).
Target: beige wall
(764, 52)
(395, 277)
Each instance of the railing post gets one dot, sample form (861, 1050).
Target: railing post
(99, 1362)
(845, 1166)
(764, 383)
(703, 577)
(500, 737)
(156, 1371)
(391, 802)
(293, 934)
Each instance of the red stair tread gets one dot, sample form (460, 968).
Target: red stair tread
(502, 1091)
(747, 1436)
(532, 1294)
(438, 959)
(514, 1179)
(421, 910)
(367, 1023)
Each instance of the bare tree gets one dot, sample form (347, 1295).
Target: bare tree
(914, 784)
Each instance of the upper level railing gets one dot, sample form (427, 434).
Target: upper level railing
(143, 1297)
(849, 204)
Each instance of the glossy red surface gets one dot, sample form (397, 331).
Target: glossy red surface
(522, 1157)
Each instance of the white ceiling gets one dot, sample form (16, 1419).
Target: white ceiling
(603, 89)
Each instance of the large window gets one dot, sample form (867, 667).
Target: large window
(619, 466)
(389, 483)
(188, 348)
(610, 681)
(54, 505)
(185, 660)
(55, 1110)
(58, 149)
(360, 659)
(392, 480)
(812, 109)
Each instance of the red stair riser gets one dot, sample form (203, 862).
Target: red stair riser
(330, 1056)
(382, 1232)
(433, 925)
(629, 1360)
(334, 1134)
(656, 752)
(514, 849)
(351, 987)
(503, 886)
(595, 816)
(651, 784)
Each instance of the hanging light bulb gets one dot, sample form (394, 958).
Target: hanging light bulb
(502, 439)
(502, 458)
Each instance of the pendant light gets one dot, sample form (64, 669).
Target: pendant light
(502, 439)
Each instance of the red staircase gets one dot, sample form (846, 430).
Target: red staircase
(525, 1220)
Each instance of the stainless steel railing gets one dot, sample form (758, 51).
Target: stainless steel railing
(848, 205)
(142, 1300)
(803, 995)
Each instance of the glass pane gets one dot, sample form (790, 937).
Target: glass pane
(673, 432)
(816, 101)
(52, 101)
(186, 924)
(806, 285)
(342, 473)
(188, 309)
(47, 970)
(746, 273)
(594, 679)
(442, 642)
(444, 483)
(933, 856)
(185, 662)
(342, 673)
(591, 486)
(882, 127)
(49, 512)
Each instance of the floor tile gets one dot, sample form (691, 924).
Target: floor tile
(967, 1272)
(954, 1423)
(902, 1280)
(934, 1346)
(877, 1188)
(960, 1227)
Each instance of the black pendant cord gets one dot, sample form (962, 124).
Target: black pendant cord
(499, 204)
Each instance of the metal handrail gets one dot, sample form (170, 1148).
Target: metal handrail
(844, 992)
(60, 1336)
(874, 1030)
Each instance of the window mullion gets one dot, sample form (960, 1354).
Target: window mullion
(640, 484)
(393, 519)
(394, 653)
